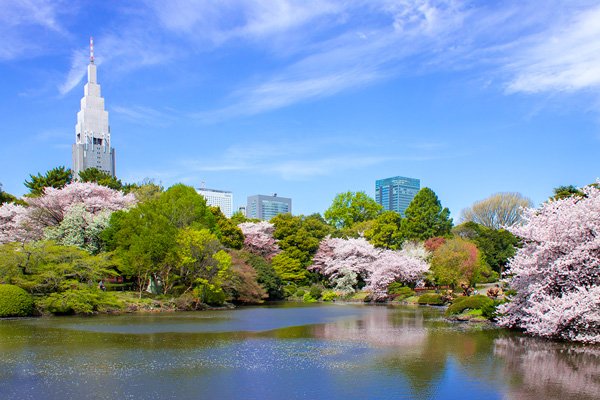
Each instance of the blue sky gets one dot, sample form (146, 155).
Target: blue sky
(308, 99)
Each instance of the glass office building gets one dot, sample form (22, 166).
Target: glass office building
(266, 207)
(396, 193)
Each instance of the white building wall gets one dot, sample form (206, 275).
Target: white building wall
(218, 198)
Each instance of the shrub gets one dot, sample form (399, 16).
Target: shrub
(329, 295)
(289, 290)
(300, 292)
(431, 299)
(209, 293)
(79, 301)
(315, 292)
(400, 292)
(462, 303)
(15, 302)
(307, 298)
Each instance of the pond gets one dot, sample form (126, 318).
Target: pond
(287, 351)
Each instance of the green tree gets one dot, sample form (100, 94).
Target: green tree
(144, 191)
(289, 268)
(238, 217)
(497, 245)
(100, 177)
(45, 267)
(299, 236)
(228, 233)
(386, 231)
(57, 178)
(145, 237)
(351, 207)
(8, 198)
(563, 192)
(456, 261)
(266, 275)
(199, 258)
(425, 217)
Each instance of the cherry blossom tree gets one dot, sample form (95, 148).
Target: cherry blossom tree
(49, 210)
(258, 238)
(344, 260)
(556, 273)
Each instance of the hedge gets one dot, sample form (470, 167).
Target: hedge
(15, 302)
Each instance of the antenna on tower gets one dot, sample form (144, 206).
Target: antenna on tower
(91, 49)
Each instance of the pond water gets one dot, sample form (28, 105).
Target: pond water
(335, 351)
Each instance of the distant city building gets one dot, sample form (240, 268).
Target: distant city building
(92, 147)
(396, 193)
(266, 207)
(218, 198)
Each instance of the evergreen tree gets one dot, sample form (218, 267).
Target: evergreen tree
(425, 217)
(57, 178)
(386, 231)
(101, 178)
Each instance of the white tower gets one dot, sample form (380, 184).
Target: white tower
(92, 133)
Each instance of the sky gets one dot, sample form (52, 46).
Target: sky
(308, 99)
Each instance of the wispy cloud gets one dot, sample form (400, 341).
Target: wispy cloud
(25, 27)
(567, 58)
(145, 115)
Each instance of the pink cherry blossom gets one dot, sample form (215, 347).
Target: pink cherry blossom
(258, 238)
(556, 273)
(19, 223)
(338, 258)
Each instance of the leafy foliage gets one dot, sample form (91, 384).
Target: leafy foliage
(564, 192)
(56, 178)
(432, 299)
(289, 268)
(15, 302)
(425, 217)
(351, 207)
(100, 177)
(556, 274)
(167, 238)
(243, 285)
(497, 246)
(80, 228)
(228, 233)
(44, 267)
(266, 275)
(386, 231)
(463, 303)
(80, 301)
(457, 261)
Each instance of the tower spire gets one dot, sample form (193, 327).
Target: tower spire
(91, 50)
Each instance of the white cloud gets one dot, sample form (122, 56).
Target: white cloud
(565, 59)
(27, 26)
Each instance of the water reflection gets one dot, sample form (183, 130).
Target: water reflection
(333, 352)
(539, 369)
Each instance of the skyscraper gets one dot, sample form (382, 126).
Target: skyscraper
(218, 198)
(266, 207)
(92, 133)
(396, 193)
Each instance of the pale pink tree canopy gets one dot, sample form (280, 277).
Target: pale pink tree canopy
(19, 223)
(556, 273)
(338, 259)
(258, 238)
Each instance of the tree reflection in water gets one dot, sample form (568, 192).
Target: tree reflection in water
(539, 369)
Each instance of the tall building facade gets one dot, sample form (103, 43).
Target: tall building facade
(396, 193)
(218, 198)
(266, 207)
(92, 148)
